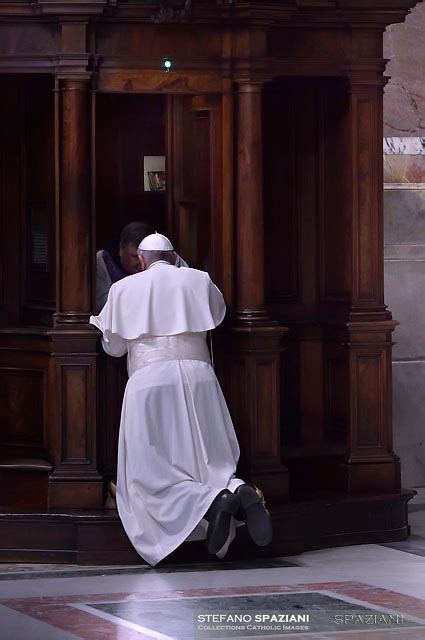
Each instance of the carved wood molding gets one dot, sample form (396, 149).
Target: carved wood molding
(374, 13)
(70, 7)
(228, 11)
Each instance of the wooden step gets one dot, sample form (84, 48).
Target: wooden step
(24, 483)
(97, 537)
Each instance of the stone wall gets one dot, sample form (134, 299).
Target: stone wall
(404, 208)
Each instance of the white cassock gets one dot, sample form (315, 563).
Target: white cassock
(177, 446)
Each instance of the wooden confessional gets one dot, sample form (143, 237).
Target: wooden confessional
(269, 127)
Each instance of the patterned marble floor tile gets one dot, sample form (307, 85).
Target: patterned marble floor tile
(172, 614)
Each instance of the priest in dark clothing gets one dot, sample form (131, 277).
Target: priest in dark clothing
(120, 260)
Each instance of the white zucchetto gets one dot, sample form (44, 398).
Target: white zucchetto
(156, 242)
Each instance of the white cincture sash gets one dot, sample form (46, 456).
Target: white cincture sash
(184, 346)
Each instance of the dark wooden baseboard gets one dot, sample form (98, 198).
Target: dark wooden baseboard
(97, 537)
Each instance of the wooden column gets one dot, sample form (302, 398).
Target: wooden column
(75, 203)
(358, 346)
(250, 232)
(75, 482)
(256, 339)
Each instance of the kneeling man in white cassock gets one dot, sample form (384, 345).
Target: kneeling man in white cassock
(177, 451)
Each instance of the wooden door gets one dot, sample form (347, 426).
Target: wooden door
(194, 162)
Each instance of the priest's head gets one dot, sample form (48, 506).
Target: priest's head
(130, 238)
(154, 248)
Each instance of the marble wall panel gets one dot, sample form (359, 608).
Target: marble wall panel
(404, 100)
(409, 420)
(404, 218)
(404, 215)
(405, 280)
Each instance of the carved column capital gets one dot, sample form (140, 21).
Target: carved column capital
(250, 79)
(366, 76)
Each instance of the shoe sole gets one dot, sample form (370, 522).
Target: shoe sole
(221, 530)
(257, 519)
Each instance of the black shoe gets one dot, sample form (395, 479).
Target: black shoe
(256, 516)
(219, 515)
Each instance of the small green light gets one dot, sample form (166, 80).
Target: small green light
(167, 64)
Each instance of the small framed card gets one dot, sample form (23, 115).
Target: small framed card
(154, 173)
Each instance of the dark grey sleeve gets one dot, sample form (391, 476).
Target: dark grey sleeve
(180, 262)
(103, 282)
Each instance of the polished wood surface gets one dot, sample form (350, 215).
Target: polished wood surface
(74, 259)
(97, 537)
(128, 128)
(11, 243)
(250, 227)
(271, 123)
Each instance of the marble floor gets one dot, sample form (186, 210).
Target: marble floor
(367, 592)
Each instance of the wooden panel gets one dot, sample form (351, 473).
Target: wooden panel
(22, 398)
(195, 218)
(26, 200)
(23, 489)
(197, 170)
(74, 37)
(112, 376)
(138, 130)
(149, 80)
(254, 401)
(337, 407)
(75, 481)
(351, 228)
(41, 535)
(369, 396)
(281, 222)
(365, 165)
(291, 212)
(31, 39)
(358, 406)
(310, 44)
(367, 43)
(75, 442)
(290, 375)
(291, 147)
(266, 407)
(155, 42)
(335, 196)
(311, 391)
(39, 218)
(11, 200)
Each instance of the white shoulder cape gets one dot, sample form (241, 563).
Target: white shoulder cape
(162, 301)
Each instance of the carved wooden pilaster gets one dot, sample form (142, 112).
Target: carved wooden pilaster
(75, 481)
(358, 407)
(366, 125)
(255, 405)
(358, 326)
(256, 339)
